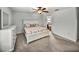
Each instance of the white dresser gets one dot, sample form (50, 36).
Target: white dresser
(7, 39)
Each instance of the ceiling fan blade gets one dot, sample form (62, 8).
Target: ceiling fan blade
(39, 8)
(33, 9)
(46, 11)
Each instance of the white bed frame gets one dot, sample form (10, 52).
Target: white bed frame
(35, 36)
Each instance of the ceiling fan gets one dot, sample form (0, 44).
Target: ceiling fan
(41, 10)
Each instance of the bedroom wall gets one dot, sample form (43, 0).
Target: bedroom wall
(18, 18)
(65, 23)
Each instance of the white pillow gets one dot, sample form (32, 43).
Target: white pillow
(27, 25)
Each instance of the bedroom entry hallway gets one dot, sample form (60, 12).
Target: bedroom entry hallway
(47, 44)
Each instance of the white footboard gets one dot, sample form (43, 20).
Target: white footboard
(36, 36)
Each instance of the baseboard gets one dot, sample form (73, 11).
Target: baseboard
(10, 50)
(19, 33)
(63, 38)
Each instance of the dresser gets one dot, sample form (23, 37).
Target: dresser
(7, 39)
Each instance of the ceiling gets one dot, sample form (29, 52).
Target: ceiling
(21, 9)
(29, 9)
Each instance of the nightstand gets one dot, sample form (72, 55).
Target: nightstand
(49, 27)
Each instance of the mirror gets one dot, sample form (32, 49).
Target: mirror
(5, 19)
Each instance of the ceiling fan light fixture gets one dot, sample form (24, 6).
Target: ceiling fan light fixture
(39, 11)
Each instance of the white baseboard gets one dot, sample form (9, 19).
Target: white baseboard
(60, 37)
(10, 50)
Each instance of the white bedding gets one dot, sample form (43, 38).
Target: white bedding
(35, 33)
(32, 30)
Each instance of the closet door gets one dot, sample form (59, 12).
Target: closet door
(0, 19)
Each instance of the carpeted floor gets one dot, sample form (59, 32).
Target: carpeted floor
(46, 44)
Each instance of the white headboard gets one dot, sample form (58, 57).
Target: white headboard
(30, 22)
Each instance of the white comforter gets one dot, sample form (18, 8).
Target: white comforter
(32, 30)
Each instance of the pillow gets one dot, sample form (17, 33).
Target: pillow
(27, 25)
(37, 25)
(32, 25)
